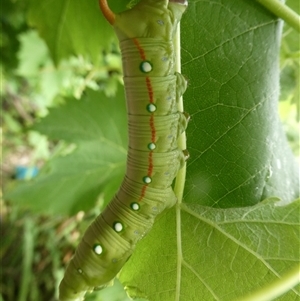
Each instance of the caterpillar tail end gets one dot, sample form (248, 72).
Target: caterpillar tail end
(106, 11)
(73, 286)
(66, 294)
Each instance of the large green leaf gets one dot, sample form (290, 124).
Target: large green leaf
(204, 253)
(239, 153)
(239, 157)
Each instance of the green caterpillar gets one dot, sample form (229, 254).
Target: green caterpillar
(153, 89)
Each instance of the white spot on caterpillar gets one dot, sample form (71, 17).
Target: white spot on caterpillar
(146, 67)
(151, 107)
(151, 146)
(160, 22)
(135, 206)
(278, 163)
(147, 180)
(79, 271)
(98, 249)
(118, 227)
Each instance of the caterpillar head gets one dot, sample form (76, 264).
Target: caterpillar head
(156, 19)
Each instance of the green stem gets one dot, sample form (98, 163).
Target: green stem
(282, 11)
(277, 288)
(28, 251)
(180, 178)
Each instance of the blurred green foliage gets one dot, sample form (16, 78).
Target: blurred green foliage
(34, 252)
(53, 74)
(289, 106)
(36, 247)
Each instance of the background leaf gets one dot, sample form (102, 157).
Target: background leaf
(71, 183)
(64, 26)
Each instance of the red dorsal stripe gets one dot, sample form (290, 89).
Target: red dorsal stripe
(151, 121)
(140, 49)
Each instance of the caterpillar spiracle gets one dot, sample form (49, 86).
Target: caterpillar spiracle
(153, 89)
